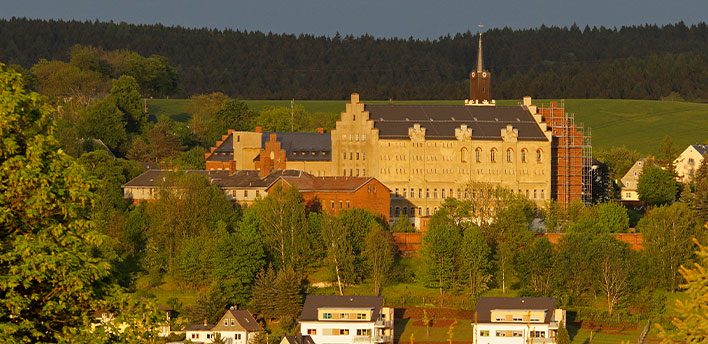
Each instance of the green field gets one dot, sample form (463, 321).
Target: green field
(637, 124)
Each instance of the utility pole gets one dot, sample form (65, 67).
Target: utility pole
(292, 114)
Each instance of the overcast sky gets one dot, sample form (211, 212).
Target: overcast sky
(382, 18)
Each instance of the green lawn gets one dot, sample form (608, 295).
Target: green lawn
(637, 124)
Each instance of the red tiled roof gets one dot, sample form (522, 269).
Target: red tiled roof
(307, 182)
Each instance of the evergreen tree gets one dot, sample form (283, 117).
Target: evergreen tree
(562, 337)
(264, 293)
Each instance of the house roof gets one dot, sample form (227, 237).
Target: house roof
(199, 327)
(441, 121)
(299, 143)
(224, 179)
(307, 182)
(702, 149)
(485, 305)
(315, 302)
(299, 339)
(224, 151)
(245, 319)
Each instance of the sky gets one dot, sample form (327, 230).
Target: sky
(382, 18)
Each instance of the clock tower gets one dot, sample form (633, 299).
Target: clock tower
(480, 80)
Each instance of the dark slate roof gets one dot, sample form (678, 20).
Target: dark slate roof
(223, 179)
(314, 302)
(702, 149)
(485, 305)
(440, 121)
(245, 319)
(199, 327)
(303, 143)
(299, 339)
(225, 151)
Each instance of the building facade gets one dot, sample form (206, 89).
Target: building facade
(234, 327)
(689, 161)
(520, 320)
(331, 319)
(630, 180)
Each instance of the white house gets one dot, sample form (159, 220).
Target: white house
(689, 161)
(331, 319)
(235, 327)
(517, 320)
(630, 180)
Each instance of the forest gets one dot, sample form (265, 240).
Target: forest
(632, 62)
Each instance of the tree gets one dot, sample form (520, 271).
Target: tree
(656, 186)
(53, 279)
(273, 118)
(233, 114)
(553, 216)
(618, 160)
(474, 260)
(379, 253)
(104, 121)
(439, 251)
(615, 271)
(562, 337)
(264, 292)
(510, 233)
(693, 312)
(699, 199)
(612, 217)
(668, 152)
(202, 107)
(209, 306)
(402, 225)
(125, 94)
(339, 250)
(667, 232)
(282, 218)
(536, 267)
(164, 143)
(288, 300)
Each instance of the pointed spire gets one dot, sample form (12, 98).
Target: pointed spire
(479, 54)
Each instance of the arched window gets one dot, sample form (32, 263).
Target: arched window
(477, 154)
(493, 155)
(539, 155)
(509, 155)
(397, 211)
(463, 154)
(523, 155)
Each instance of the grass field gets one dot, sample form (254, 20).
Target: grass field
(637, 124)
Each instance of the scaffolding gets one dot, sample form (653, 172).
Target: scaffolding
(571, 155)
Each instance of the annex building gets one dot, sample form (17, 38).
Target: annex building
(426, 153)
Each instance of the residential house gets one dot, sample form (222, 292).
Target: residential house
(687, 164)
(234, 327)
(331, 319)
(630, 180)
(522, 320)
(297, 339)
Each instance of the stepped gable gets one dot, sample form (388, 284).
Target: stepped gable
(485, 305)
(440, 121)
(302, 146)
(224, 149)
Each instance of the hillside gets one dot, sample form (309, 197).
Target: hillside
(637, 124)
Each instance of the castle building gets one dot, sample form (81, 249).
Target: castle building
(427, 153)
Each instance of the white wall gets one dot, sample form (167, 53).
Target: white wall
(493, 328)
(321, 326)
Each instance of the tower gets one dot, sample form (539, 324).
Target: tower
(480, 80)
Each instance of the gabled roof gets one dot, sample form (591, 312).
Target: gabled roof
(441, 121)
(199, 327)
(299, 339)
(485, 305)
(702, 149)
(220, 178)
(245, 319)
(314, 302)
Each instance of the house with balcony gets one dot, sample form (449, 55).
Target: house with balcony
(517, 320)
(331, 319)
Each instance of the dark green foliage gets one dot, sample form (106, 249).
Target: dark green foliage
(618, 160)
(562, 337)
(536, 267)
(233, 114)
(612, 217)
(209, 306)
(475, 261)
(278, 294)
(379, 255)
(104, 121)
(192, 159)
(597, 62)
(125, 94)
(402, 225)
(439, 250)
(656, 186)
(264, 292)
(699, 200)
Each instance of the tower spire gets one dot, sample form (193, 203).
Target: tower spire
(479, 52)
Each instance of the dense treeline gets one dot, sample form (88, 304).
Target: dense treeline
(644, 62)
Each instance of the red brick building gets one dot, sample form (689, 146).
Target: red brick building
(334, 194)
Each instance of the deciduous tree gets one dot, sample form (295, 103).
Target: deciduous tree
(474, 260)
(656, 186)
(379, 254)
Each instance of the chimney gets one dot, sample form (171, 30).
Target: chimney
(320, 130)
(355, 98)
(205, 323)
(527, 101)
(273, 137)
(259, 129)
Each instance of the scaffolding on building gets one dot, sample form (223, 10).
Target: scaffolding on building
(571, 154)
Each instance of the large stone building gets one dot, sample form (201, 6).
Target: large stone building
(426, 153)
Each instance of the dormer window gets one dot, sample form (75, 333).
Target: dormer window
(233, 322)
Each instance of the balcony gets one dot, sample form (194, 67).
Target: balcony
(372, 339)
(383, 323)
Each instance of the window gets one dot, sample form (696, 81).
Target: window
(543, 193)
(427, 211)
(404, 192)
(493, 155)
(363, 156)
(341, 205)
(442, 191)
(517, 333)
(363, 171)
(368, 188)
(226, 322)
(427, 193)
(208, 335)
(363, 332)
(332, 204)
(347, 204)
(628, 184)
(539, 156)
(435, 193)
(463, 154)
(312, 331)
(412, 193)
(357, 172)
(477, 154)
(351, 155)
(361, 316)
(396, 193)
(327, 315)
(405, 210)
(245, 193)
(344, 172)
(237, 336)
(635, 174)
(357, 137)
(420, 193)
(527, 193)
(257, 192)
(501, 334)
(484, 333)
(351, 172)
(534, 194)
(363, 138)
(374, 188)
(509, 155)
(538, 334)
(357, 155)
(344, 331)
(345, 156)
(517, 318)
